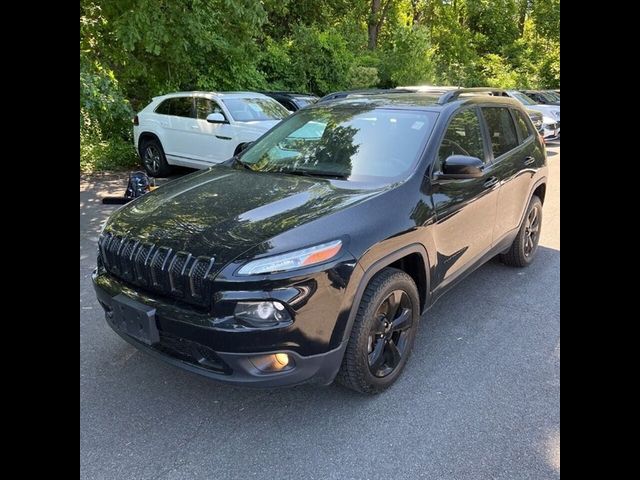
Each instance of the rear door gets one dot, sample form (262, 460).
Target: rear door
(513, 149)
(465, 209)
(180, 129)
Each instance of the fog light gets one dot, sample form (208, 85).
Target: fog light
(261, 314)
(282, 359)
(272, 362)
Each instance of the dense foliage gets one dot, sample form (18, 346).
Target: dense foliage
(132, 50)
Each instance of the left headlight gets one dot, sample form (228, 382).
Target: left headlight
(293, 260)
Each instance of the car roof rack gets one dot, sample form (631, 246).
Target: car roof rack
(454, 94)
(369, 91)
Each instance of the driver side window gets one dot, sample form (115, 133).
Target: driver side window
(463, 137)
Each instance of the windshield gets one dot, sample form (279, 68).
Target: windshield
(550, 96)
(304, 101)
(355, 142)
(523, 98)
(255, 109)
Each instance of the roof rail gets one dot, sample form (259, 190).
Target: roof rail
(453, 94)
(370, 91)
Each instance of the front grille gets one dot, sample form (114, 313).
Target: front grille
(159, 269)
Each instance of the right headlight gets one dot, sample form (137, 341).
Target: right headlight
(292, 260)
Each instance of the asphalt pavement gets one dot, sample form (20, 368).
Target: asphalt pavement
(479, 398)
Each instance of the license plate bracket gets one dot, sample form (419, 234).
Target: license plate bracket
(135, 319)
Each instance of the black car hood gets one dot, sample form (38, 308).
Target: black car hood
(223, 211)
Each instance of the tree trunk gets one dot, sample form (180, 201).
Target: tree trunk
(525, 5)
(373, 24)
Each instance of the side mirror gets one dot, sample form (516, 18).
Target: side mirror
(216, 117)
(460, 167)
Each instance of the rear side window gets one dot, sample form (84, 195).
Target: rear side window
(502, 131)
(163, 108)
(179, 107)
(463, 137)
(525, 130)
(206, 106)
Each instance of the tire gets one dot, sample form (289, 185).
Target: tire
(524, 247)
(153, 158)
(239, 149)
(369, 364)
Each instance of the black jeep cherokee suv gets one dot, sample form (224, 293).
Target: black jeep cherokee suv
(312, 255)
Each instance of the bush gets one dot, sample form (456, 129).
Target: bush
(362, 77)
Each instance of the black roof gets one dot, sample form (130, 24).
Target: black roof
(289, 94)
(432, 99)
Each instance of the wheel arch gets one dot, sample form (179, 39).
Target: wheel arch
(413, 259)
(147, 135)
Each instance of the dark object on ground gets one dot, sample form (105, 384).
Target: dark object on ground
(138, 184)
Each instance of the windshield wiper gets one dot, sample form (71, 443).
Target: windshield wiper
(315, 173)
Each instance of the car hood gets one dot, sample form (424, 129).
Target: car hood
(223, 211)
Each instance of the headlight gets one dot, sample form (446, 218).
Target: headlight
(261, 314)
(293, 260)
(548, 120)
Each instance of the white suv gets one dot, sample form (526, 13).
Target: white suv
(198, 129)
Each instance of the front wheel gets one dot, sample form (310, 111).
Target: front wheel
(525, 245)
(383, 333)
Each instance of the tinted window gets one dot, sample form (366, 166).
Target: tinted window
(205, 106)
(463, 137)
(359, 143)
(182, 106)
(164, 107)
(524, 130)
(502, 131)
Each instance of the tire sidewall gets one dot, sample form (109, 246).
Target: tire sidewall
(407, 285)
(164, 166)
(535, 203)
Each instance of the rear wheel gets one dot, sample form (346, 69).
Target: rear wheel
(153, 158)
(525, 245)
(383, 333)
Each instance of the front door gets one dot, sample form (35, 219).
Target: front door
(213, 142)
(465, 209)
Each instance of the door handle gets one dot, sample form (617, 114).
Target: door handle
(195, 127)
(529, 160)
(491, 181)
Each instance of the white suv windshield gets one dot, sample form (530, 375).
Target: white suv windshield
(255, 109)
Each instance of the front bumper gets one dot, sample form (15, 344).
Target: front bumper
(187, 340)
(551, 131)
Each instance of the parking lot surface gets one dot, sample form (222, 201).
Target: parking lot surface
(479, 398)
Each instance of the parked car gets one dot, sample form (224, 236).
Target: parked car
(543, 97)
(313, 254)
(199, 129)
(292, 101)
(550, 113)
(537, 120)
